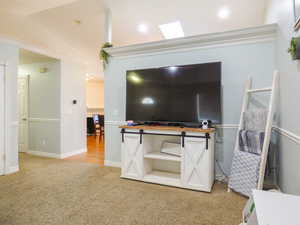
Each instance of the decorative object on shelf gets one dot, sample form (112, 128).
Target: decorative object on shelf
(294, 49)
(297, 14)
(104, 55)
(206, 124)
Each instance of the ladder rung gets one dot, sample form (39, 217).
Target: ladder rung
(259, 90)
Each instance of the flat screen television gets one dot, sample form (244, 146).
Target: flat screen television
(176, 94)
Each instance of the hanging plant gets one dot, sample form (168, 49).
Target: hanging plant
(104, 56)
(293, 48)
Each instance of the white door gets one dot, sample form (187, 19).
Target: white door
(197, 166)
(132, 157)
(2, 119)
(23, 113)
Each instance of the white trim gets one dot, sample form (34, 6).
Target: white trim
(2, 115)
(112, 163)
(290, 135)
(248, 35)
(14, 124)
(114, 123)
(76, 152)
(44, 154)
(227, 126)
(57, 155)
(3, 64)
(5, 125)
(38, 120)
(11, 169)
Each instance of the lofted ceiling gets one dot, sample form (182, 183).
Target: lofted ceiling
(75, 28)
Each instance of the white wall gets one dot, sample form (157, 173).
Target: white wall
(95, 96)
(238, 62)
(73, 116)
(9, 54)
(281, 12)
(43, 106)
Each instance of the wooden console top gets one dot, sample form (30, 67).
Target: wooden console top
(169, 128)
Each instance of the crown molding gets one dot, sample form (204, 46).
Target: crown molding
(252, 34)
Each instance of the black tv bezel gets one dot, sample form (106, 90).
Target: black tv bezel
(176, 123)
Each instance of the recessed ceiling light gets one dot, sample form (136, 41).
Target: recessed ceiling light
(172, 30)
(143, 28)
(224, 13)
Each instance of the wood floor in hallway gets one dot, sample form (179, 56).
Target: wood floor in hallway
(95, 151)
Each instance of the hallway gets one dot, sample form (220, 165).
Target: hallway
(95, 151)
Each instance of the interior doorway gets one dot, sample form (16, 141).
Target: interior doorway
(23, 90)
(38, 105)
(94, 122)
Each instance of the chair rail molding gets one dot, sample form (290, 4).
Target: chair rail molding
(247, 35)
(290, 135)
(43, 119)
(115, 122)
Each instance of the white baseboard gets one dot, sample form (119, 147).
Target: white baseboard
(44, 154)
(76, 152)
(11, 169)
(112, 163)
(57, 155)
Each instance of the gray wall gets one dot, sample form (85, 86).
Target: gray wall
(238, 62)
(9, 53)
(43, 106)
(281, 12)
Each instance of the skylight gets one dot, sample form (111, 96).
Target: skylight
(224, 13)
(172, 30)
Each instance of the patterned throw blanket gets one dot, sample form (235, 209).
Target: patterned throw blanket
(244, 172)
(251, 141)
(246, 162)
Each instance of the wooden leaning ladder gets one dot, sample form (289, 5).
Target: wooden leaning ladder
(269, 123)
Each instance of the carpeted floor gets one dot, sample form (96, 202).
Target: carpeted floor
(58, 192)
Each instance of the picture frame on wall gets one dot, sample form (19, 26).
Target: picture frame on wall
(297, 14)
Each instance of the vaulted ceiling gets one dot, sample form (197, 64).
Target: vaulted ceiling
(74, 28)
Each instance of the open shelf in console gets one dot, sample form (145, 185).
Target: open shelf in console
(162, 171)
(162, 156)
(163, 177)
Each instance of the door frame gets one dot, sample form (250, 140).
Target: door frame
(3, 154)
(26, 77)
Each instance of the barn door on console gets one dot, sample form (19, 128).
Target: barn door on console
(195, 163)
(132, 157)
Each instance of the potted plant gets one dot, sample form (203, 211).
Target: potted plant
(294, 49)
(104, 56)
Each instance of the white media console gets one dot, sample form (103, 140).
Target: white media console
(143, 160)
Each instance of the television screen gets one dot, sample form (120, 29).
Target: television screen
(187, 94)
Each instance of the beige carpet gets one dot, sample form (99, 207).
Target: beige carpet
(58, 192)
